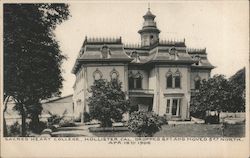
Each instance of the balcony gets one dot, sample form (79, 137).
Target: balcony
(141, 93)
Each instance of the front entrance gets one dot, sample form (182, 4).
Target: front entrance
(141, 103)
(173, 107)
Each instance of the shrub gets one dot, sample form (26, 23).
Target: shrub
(37, 128)
(212, 119)
(67, 123)
(15, 129)
(144, 124)
(163, 120)
(54, 119)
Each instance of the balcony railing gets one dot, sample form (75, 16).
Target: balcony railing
(141, 92)
(148, 91)
(193, 91)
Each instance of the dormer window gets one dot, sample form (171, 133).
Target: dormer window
(173, 53)
(197, 58)
(105, 52)
(135, 56)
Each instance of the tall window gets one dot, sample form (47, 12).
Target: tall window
(177, 80)
(173, 106)
(131, 82)
(168, 106)
(169, 80)
(197, 82)
(173, 81)
(135, 81)
(138, 82)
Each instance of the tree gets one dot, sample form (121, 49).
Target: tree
(108, 102)
(32, 58)
(214, 95)
(237, 82)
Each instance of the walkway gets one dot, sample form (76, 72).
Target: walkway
(80, 130)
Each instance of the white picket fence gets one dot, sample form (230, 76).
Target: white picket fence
(232, 115)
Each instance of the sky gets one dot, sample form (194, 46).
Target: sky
(220, 27)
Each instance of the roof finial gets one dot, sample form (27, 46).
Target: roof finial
(148, 6)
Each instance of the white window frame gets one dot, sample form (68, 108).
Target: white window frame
(179, 102)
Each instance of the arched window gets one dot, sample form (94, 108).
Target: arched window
(135, 56)
(173, 53)
(177, 79)
(131, 82)
(173, 80)
(135, 81)
(114, 74)
(197, 82)
(169, 80)
(97, 74)
(197, 58)
(138, 81)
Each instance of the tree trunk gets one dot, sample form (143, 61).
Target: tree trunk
(218, 117)
(34, 125)
(23, 115)
(5, 131)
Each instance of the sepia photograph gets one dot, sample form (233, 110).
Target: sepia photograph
(126, 70)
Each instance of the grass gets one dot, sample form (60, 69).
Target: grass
(186, 130)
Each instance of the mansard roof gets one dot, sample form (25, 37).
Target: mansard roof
(92, 51)
(165, 51)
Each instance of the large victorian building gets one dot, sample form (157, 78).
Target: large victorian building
(156, 75)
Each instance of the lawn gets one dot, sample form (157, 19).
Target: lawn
(186, 130)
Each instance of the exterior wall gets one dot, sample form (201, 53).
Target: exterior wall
(105, 70)
(152, 79)
(165, 93)
(59, 106)
(84, 80)
(78, 96)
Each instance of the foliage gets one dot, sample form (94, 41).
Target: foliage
(66, 123)
(32, 58)
(86, 117)
(55, 119)
(37, 128)
(212, 119)
(144, 124)
(237, 83)
(107, 102)
(219, 94)
(163, 120)
(15, 129)
(214, 95)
